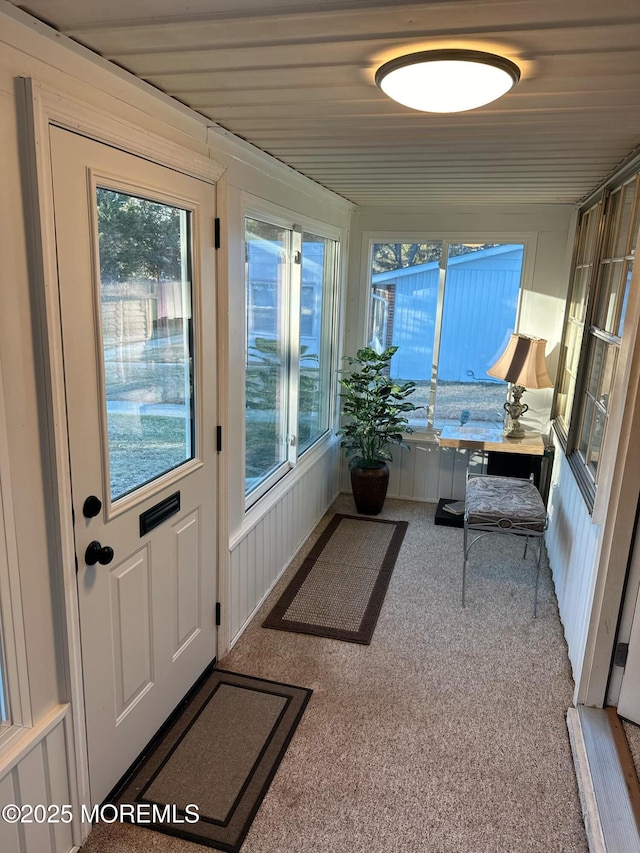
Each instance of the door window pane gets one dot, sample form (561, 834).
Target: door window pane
(314, 381)
(266, 386)
(145, 300)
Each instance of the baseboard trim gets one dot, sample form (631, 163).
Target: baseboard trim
(604, 794)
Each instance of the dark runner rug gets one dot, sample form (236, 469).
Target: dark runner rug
(216, 760)
(339, 589)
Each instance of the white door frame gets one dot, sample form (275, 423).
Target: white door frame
(41, 107)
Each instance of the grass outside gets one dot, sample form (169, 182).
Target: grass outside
(145, 446)
(460, 403)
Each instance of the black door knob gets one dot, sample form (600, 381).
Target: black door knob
(91, 507)
(95, 553)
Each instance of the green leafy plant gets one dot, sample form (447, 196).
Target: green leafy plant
(375, 408)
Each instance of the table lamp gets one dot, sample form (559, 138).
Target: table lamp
(523, 365)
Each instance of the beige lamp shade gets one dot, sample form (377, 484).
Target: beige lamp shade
(522, 363)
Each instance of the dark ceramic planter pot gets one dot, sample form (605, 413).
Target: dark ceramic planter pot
(369, 487)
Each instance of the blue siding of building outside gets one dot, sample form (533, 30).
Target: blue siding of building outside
(479, 311)
(479, 314)
(264, 260)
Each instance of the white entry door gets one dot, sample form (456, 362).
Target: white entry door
(136, 270)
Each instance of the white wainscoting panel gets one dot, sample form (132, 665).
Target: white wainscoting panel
(260, 557)
(573, 545)
(39, 776)
(427, 472)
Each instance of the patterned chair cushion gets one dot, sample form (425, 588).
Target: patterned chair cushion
(506, 503)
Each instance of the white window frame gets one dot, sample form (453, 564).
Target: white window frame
(13, 643)
(370, 238)
(256, 208)
(595, 486)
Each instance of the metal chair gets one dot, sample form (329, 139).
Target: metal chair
(503, 505)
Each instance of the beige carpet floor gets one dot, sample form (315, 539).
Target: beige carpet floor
(632, 733)
(446, 735)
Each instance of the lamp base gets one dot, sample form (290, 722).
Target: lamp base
(514, 409)
(516, 431)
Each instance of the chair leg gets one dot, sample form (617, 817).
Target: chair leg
(526, 545)
(464, 562)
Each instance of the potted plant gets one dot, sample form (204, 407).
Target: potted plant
(374, 407)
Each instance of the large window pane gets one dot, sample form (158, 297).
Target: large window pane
(450, 320)
(579, 293)
(145, 298)
(589, 227)
(623, 225)
(480, 305)
(266, 369)
(599, 381)
(587, 424)
(405, 284)
(290, 295)
(609, 297)
(597, 437)
(606, 242)
(598, 353)
(625, 298)
(318, 271)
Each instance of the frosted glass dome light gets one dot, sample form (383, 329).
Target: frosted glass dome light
(447, 81)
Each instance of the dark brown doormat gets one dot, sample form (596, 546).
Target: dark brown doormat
(216, 760)
(339, 589)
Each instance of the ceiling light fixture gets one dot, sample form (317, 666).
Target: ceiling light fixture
(447, 81)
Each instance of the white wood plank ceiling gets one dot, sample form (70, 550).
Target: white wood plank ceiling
(295, 78)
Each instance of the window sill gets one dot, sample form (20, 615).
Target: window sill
(585, 484)
(17, 741)
(560, 434)
(426, 436)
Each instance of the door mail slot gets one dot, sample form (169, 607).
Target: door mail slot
(160, 512)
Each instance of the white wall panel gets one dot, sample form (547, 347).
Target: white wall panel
(11, 836)
(258, 558)
(38, 775)
(58, 786)
(426, 472)
(573, 545)
(31, 777)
